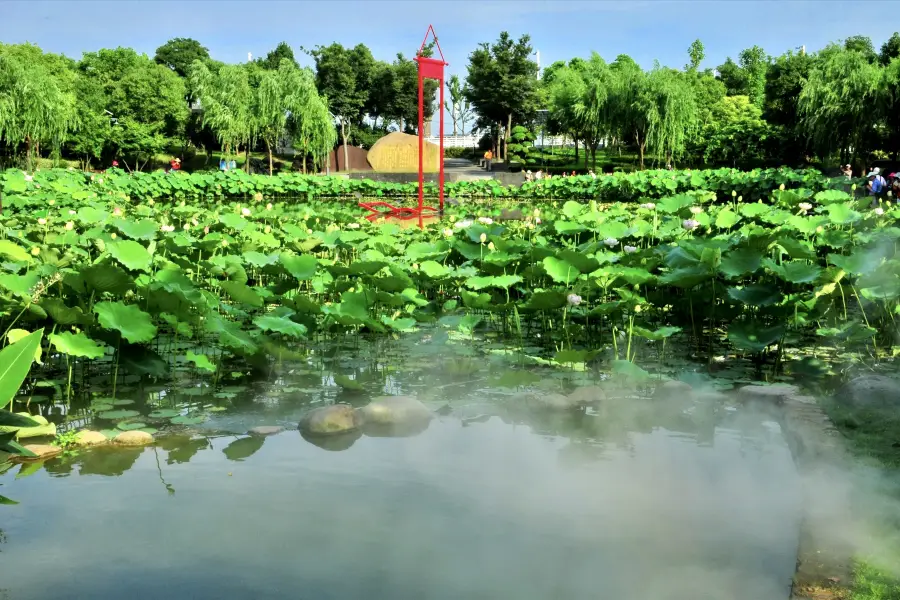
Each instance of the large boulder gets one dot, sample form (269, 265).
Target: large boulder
(871, 392)
(395, 410)
(330, 420)
(399, 153)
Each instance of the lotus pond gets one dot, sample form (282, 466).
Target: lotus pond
(683, 497)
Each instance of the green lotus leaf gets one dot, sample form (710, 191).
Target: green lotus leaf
(131, 254)
(76, 344)
(131, 322)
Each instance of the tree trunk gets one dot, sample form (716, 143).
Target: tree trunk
(271, 165)
(506, 140)
(640, 145)
(247, 158)
(28, 156)
(346, 152)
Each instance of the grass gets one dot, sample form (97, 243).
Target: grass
(872, 583)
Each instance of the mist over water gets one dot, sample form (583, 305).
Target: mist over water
(634, 503)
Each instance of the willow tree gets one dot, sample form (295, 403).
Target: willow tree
(839, 104)
(592, 109)
(565, 88)
(226, 100)
(37, 104)
(312, 127)
(671, 113)
(629, 103)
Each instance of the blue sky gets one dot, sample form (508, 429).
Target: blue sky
(560, 29)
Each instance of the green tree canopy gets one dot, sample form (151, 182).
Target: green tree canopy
(37, 98)
(273, 59)
(179, 54)
(226, 100)
(502, 83)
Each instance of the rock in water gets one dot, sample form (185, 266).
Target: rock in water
(133, 438)
(266, 430)
(330, 420)
(43, 452)
(395, 410)
(587, 395)
(90, 438)
(773, 394)
(672, 389)
(875, 392)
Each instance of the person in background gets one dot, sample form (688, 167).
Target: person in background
(233, 165)
(223, 165)
(895, 185)
(175, 164)
(847, 170)
(876, 184)
(115, 163)
(488, 158)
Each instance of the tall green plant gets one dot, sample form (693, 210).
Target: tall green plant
(15, 362)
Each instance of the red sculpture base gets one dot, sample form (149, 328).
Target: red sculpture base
(403, 213)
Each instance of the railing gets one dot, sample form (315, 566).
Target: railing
(471, 141)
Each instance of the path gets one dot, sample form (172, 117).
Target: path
(461, 169)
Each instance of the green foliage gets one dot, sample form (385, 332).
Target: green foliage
(179, 54)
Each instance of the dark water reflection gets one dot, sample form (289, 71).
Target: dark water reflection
(679, 499)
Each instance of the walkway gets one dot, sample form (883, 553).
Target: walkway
(461, 169)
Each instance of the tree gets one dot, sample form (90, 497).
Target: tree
(696, 53)
(785, 79)
(630, 102)
(734, 78)
(736, 134)
(754, 63)
(591, 109)
(839, 104)
(890, 50)
(226, 100)
(273, 59)
(457, 105)
(501, 83)
(381, 100)
(671, 112)
(565, 85)
(145, 98)
(863, 45)
(343, 76)
(179, 54)
(37, 100)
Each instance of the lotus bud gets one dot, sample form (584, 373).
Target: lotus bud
(35, 251)
(206, 230)
(113, 236)
(820, 229)
(117, 212)
(309, 231)
(853, 188)
(186, 226)
(269, 206)
(70, 226)
(531, 226)
(491, 244)
(267, 229)
(317, 220)
(637, 308)
(781, 187)
(415, 266)
(733, 194)
(448, 232)
(537, 212)
(224, 243)
(483, 238)
(51, 202)
(740, 198)
(696, 210)
(690, 224)
(71, 212)
(258, 196)
(246, 212)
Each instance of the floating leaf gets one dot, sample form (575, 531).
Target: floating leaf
(130, 426)
(118, 414)
(164, 413)
(186, 420)
(201, 361)
(244, 448)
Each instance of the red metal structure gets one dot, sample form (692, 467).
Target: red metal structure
(429, 68)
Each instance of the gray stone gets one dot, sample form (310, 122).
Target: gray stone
(266, 430)
(330, 420)
(772, 394)
(395, 410)
(870, 392)
(43, 452)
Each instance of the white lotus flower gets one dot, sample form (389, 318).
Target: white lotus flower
(611, 242)
(448, 232)
(27, 176)
(245, 212)
(117, 212)
(573, 299)
(42, 221)
(51, 202)
(630, 249)
(186, 226)
(353, 226)
(70, 226)
(537, 220)
(690, 224)
(269, 206)
(485, 220)
(648, 205)
(71, 212)
(696, 210)
(879, 211)
(463, 224)
(805, 206)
